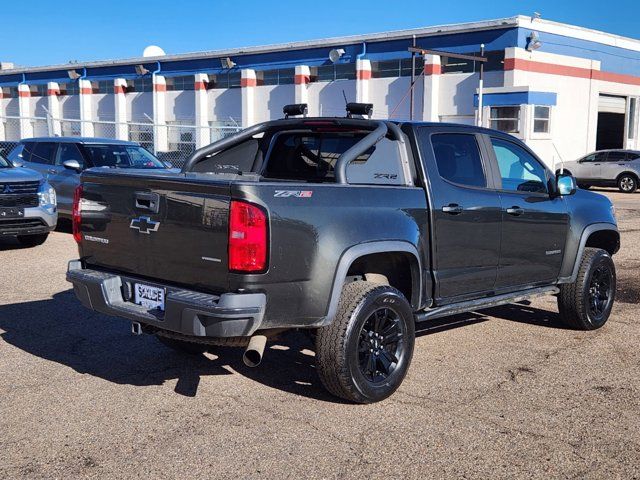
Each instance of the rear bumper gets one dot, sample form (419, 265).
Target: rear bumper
(186, 312)
(36, 220)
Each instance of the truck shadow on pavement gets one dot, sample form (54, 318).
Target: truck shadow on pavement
(62, 331)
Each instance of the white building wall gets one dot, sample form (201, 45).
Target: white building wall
(326, 98)
(140, 106)
(180, 106)
(225, 105)
(269, 100)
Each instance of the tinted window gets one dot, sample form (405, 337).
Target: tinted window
(458, 159)
(20, 152)
(617, 157)
(634, 156)
(600, 157)
(308, 156)
(68, 151)
(43, 153)
(121, 156)
(519, 170)
(589, 158)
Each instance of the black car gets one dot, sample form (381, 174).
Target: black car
(60, 160)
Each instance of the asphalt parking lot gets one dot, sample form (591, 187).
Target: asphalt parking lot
(507, 393)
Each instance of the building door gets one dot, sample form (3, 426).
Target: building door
(611, 122)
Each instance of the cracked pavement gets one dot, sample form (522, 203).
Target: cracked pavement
(505, 393)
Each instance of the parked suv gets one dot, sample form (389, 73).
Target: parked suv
(60, 160)
(354, 230)
(27, 205)
(607, 168)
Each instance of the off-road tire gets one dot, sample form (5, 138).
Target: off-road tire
(337, 356)
(573, 299)
(627, 183)
(32, 240)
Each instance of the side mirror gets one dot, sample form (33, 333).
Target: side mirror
(17, 163)
(566, 185)
(72, 165)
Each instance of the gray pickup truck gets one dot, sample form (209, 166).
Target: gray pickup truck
(27, 205)
(356, 230)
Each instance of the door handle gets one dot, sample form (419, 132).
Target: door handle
(147, 201)
(515, 211)
(452, 209)
(52, 170)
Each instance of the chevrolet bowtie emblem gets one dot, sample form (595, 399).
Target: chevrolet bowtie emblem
(144, 225)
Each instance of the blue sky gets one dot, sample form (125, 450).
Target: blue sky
(49, 32)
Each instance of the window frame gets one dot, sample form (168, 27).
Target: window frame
(534, 118)
(498, 176)
(518, 119)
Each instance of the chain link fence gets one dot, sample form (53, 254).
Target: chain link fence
(172, 143)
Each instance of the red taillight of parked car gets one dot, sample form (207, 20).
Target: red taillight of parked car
(247, 237)
(76, 214)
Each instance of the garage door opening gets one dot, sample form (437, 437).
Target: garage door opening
(611, 122)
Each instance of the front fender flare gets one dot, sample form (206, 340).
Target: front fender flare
(586, 233)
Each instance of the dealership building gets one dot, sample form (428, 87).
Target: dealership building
(565, 90)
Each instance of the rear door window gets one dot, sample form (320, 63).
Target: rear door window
(458, 159)
(617, 157)
(43, 153)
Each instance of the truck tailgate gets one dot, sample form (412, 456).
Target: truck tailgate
(165, 227)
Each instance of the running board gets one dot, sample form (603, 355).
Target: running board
(482, 303)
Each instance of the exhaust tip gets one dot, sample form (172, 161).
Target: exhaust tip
(253, 354)
(136, 328)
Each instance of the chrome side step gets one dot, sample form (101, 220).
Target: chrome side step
(481, 303)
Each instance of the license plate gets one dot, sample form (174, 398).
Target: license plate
(149, 297)
(11, 212)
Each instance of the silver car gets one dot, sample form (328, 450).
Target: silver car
(27, 205)
(607, 168)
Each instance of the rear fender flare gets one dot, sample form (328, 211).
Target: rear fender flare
(353, 253)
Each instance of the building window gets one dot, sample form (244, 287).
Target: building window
(541, 119)
(38, 90)
(505, 119)
(329, 73)
(70, 88)
(280, 76)
(144, 84)
(180, 83)
(400, 67)
(102, 86)
(10, 92)
(225, 80)
(495, 61)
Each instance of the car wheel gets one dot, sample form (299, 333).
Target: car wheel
(586, 303)
(627, 183)
(32, 240)
(364, 355)
(183, 346)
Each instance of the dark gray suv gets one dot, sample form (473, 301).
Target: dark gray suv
(60, 160)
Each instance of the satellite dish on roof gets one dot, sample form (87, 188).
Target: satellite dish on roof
(153, 51)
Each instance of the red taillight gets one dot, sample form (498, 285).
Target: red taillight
(247, 238)
(76, 215)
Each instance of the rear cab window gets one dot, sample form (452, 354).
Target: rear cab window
(458, 159)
